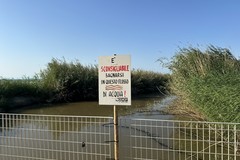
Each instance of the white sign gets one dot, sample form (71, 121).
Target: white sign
(114, 80)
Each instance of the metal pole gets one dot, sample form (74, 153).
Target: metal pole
(116, 144)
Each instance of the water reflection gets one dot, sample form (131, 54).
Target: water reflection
(93, 108)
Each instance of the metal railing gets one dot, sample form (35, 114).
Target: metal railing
(55, 137)
(184, 140)
(48, 137)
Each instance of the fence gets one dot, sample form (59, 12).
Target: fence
(184, 140)
(45, 137)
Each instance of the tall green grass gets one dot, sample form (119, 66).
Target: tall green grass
(209, 81)
(10, 89)
(71, 81)
(149, 82)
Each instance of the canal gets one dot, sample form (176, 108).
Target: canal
(145, 107)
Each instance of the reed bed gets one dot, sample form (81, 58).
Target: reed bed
(148, 82)
(11, 89)
(208, 81)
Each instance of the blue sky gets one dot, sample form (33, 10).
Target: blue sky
(32, 32)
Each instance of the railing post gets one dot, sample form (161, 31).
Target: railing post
(235, 142)
(2, 124)
(116, 142)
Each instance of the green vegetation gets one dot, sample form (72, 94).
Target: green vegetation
(208, 81)
(12, 89)
(70, 82)
(64, 81)
(147, 82)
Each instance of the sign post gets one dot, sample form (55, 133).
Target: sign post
(116, 139)
(114, 80)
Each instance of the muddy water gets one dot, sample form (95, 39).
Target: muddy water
(143, 107)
